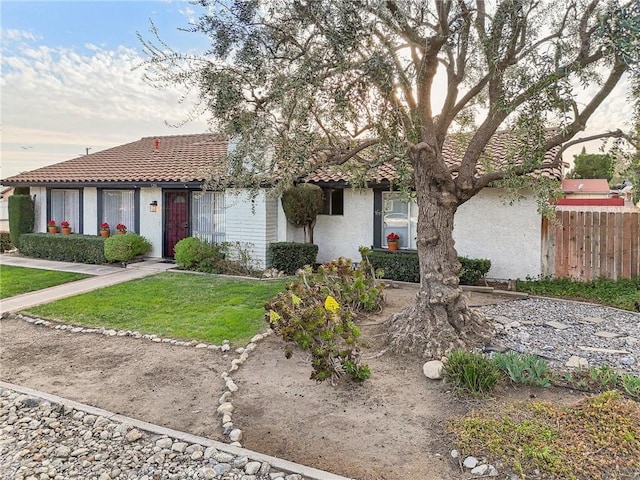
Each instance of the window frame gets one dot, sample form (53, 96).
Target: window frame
(136, 208)
(328, 207)
(79, 228)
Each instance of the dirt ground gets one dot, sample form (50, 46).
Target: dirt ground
(391, 427)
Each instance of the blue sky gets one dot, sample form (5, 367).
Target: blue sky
(69, 79)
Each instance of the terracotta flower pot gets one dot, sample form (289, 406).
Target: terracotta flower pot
(393, 246)
(53, 229)
(121, 232)
(66, 230)
(105, 233)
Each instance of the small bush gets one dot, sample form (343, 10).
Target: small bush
(291, 256)
(193, 253)
(316, 313)
(525, 369)
(124, 248)
(471, 372)
(63, 248)
(405, 267)
(21, 216)
(5, 242)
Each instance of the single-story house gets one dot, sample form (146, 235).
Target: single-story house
(589, 191)
(154, 187)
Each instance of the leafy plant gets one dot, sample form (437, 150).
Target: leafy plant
(525, 369)
(302, 204)
(5, 241)
(621, 293)
(193, 253)
(471, 372)
(123, 248)
(317, 311)
(631, 385)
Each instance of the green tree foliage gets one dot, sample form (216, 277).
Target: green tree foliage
(302, 204)
(357, 83)
(21, 216)
(593, 165)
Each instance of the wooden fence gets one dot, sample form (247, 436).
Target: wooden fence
(588, 243)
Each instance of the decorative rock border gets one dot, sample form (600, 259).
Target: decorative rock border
(225, 409)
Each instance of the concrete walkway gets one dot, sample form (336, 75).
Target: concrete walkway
(103, 276)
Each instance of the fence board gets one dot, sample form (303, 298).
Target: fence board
(587, 244)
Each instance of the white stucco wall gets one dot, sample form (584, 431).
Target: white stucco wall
(342, 235)
(151, 222)
(508, 235)
(252, 221)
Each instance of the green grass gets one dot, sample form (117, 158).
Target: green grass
(623, 293)
(18, 280)
(173, 305)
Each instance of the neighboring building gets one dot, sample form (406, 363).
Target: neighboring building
(5, 193)
(154, 187)
(589, 192)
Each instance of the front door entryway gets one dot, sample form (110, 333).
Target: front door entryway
(176, 219)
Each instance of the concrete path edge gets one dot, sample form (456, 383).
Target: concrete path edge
(276, 463)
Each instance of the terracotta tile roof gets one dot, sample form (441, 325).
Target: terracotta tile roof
(497, 154)
(593, 186)
(179, 158)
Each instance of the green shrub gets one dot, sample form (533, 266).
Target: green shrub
(316, 313)
(405, 267)
(302, 204)
(21, 216)
(123, 248)
(5, 241)
(471, 372)
(63, 248)
(473, 269)
(192, 253)
(525, 369)
(291, 256)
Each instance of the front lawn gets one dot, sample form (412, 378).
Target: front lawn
(180, 306)
(18, 280)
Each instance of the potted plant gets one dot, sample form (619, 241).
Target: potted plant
(66, 229)
(392, 241)
(105, 231)
(121, 228)
(51, 225)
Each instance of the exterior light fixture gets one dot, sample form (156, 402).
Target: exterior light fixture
(153, 206)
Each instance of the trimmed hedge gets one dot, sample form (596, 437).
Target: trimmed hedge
(5, 241)
(63, 248)
(21, 216)
(193, 253)
(404, 266)
(291, 256)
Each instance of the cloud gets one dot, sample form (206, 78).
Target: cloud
(55, 96)
(13, 34)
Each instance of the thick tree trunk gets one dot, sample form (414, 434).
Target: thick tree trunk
(440, 321)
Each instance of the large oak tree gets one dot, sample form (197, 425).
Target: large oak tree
(300, 83)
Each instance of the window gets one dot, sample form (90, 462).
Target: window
(65, 205)
(118, 206)
(207, 214)
(333, 201)
(400, 216)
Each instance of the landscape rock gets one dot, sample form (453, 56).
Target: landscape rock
(433, 369)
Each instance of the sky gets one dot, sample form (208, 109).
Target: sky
(69, 79)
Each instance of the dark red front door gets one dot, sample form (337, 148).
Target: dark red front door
(176, 219)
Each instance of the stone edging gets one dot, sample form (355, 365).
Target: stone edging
(224, 453)
(225, 408)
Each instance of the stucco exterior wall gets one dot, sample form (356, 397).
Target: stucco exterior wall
(342, 235)
(508, 235)
(151, 222)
